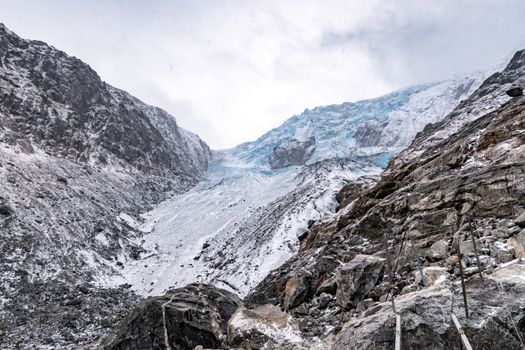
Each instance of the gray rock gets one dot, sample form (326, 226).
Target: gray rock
(295, 292)
(292, 152)
(368, 134)
(426, 323)
(264, 327)
(431, 274)
(502, 251)
(467, 247)
(324, 299)
(357, 278)
(437, 251)
(520, 220)
(197, 314)
(328, 286)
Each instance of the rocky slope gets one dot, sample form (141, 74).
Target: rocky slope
(77, 158)
(459, 182)
(451, 204)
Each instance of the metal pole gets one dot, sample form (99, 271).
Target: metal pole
(398, 332)
(464, 339)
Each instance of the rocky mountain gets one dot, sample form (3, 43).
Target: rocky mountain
(260, 197)
(111, 214)
(465, 190)
(453, 207)
(78, 159)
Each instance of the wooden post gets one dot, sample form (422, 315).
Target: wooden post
(463, 288)
(398, 332)
(390, 272)
(464, 339)
(418, 262)
(456, 245)
(476, 252)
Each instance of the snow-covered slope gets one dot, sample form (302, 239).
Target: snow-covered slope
(245, 218)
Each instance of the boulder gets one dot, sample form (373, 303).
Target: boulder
(437, 251)
(184, 318)
(5, 210)
(426, 322)
(264, 327)
(520, 220)
(518, 244)
(295, 292)
(515, 92)
(432, 274)
(467, 248)
(357, 278)
(328, 286)
(502, 251)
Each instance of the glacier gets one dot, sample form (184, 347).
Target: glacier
(244, 218)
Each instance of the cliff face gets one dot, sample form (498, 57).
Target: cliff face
(469, 168)
(59, 104)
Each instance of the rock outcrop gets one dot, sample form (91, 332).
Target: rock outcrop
(182, 319)
(265, 327)
(356, 278)
(292, 152)
(497, 320)
(61, 105)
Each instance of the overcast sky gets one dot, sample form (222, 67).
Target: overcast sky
(232, 70)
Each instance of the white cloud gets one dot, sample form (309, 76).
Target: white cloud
(231, 70)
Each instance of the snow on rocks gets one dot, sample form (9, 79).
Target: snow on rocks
(265, 327)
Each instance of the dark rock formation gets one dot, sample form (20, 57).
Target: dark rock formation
(368, 134)
(292, 152)
(515, 92)
(352, 191)
(182, 319)
(266, 327)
